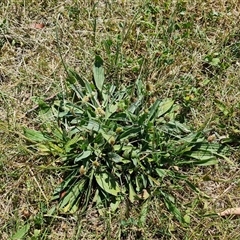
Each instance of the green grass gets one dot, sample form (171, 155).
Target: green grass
(187, 50)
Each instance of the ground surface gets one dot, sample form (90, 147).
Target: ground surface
(189, 50)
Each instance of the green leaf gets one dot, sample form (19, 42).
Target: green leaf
(93, 126)
(21, 232)
(165, 106)
(154, 110)
(112, 108)
(132, 193)
(64, 203)
(36, 234)
(43, 149)
(144, 180)
(173, 208)
(115, 157)
(161, 172)
(153, 180)
(107, 136)
(71, 207)
(131, 132)
(89, 87)
(115, 204)
(34, 135)
(73, 76)
(78, 91)
(108, 183)
(134, 107)
(52, 211)
(98, 73)
(69, 203)
(208, 162)
(64, 185)
(140, 87)
(144, 213)
(43, 106)
(200, 160)
(201, 155)
(69, 145)
(192, 186)
(187, 219)
(83, 155)
(222, 107)
(215, 62)
(107, 95)
(175, 128)
(53, 148)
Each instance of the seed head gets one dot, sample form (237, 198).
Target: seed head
(112, 140)
(149, 87)
(119, 130)
(82, 170)
(99, 111)
(85, 99)
(211, 138)
(96, 163)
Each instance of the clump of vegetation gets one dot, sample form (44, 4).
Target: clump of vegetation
(117, 142)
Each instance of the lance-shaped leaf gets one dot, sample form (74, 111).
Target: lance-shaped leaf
(98, 73)
(108, 183)
(20, 234)
(34, 135)
(83, 155)
(165, 106)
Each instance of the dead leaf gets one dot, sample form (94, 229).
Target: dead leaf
(62, 194)
(230, 211)
(144, 195)
(211, 138)
(38, 25)
(176, 168)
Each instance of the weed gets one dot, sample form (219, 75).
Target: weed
(114, 144)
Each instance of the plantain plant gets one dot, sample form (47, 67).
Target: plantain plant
(116, 143)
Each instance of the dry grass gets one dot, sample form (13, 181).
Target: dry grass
(163, 42)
